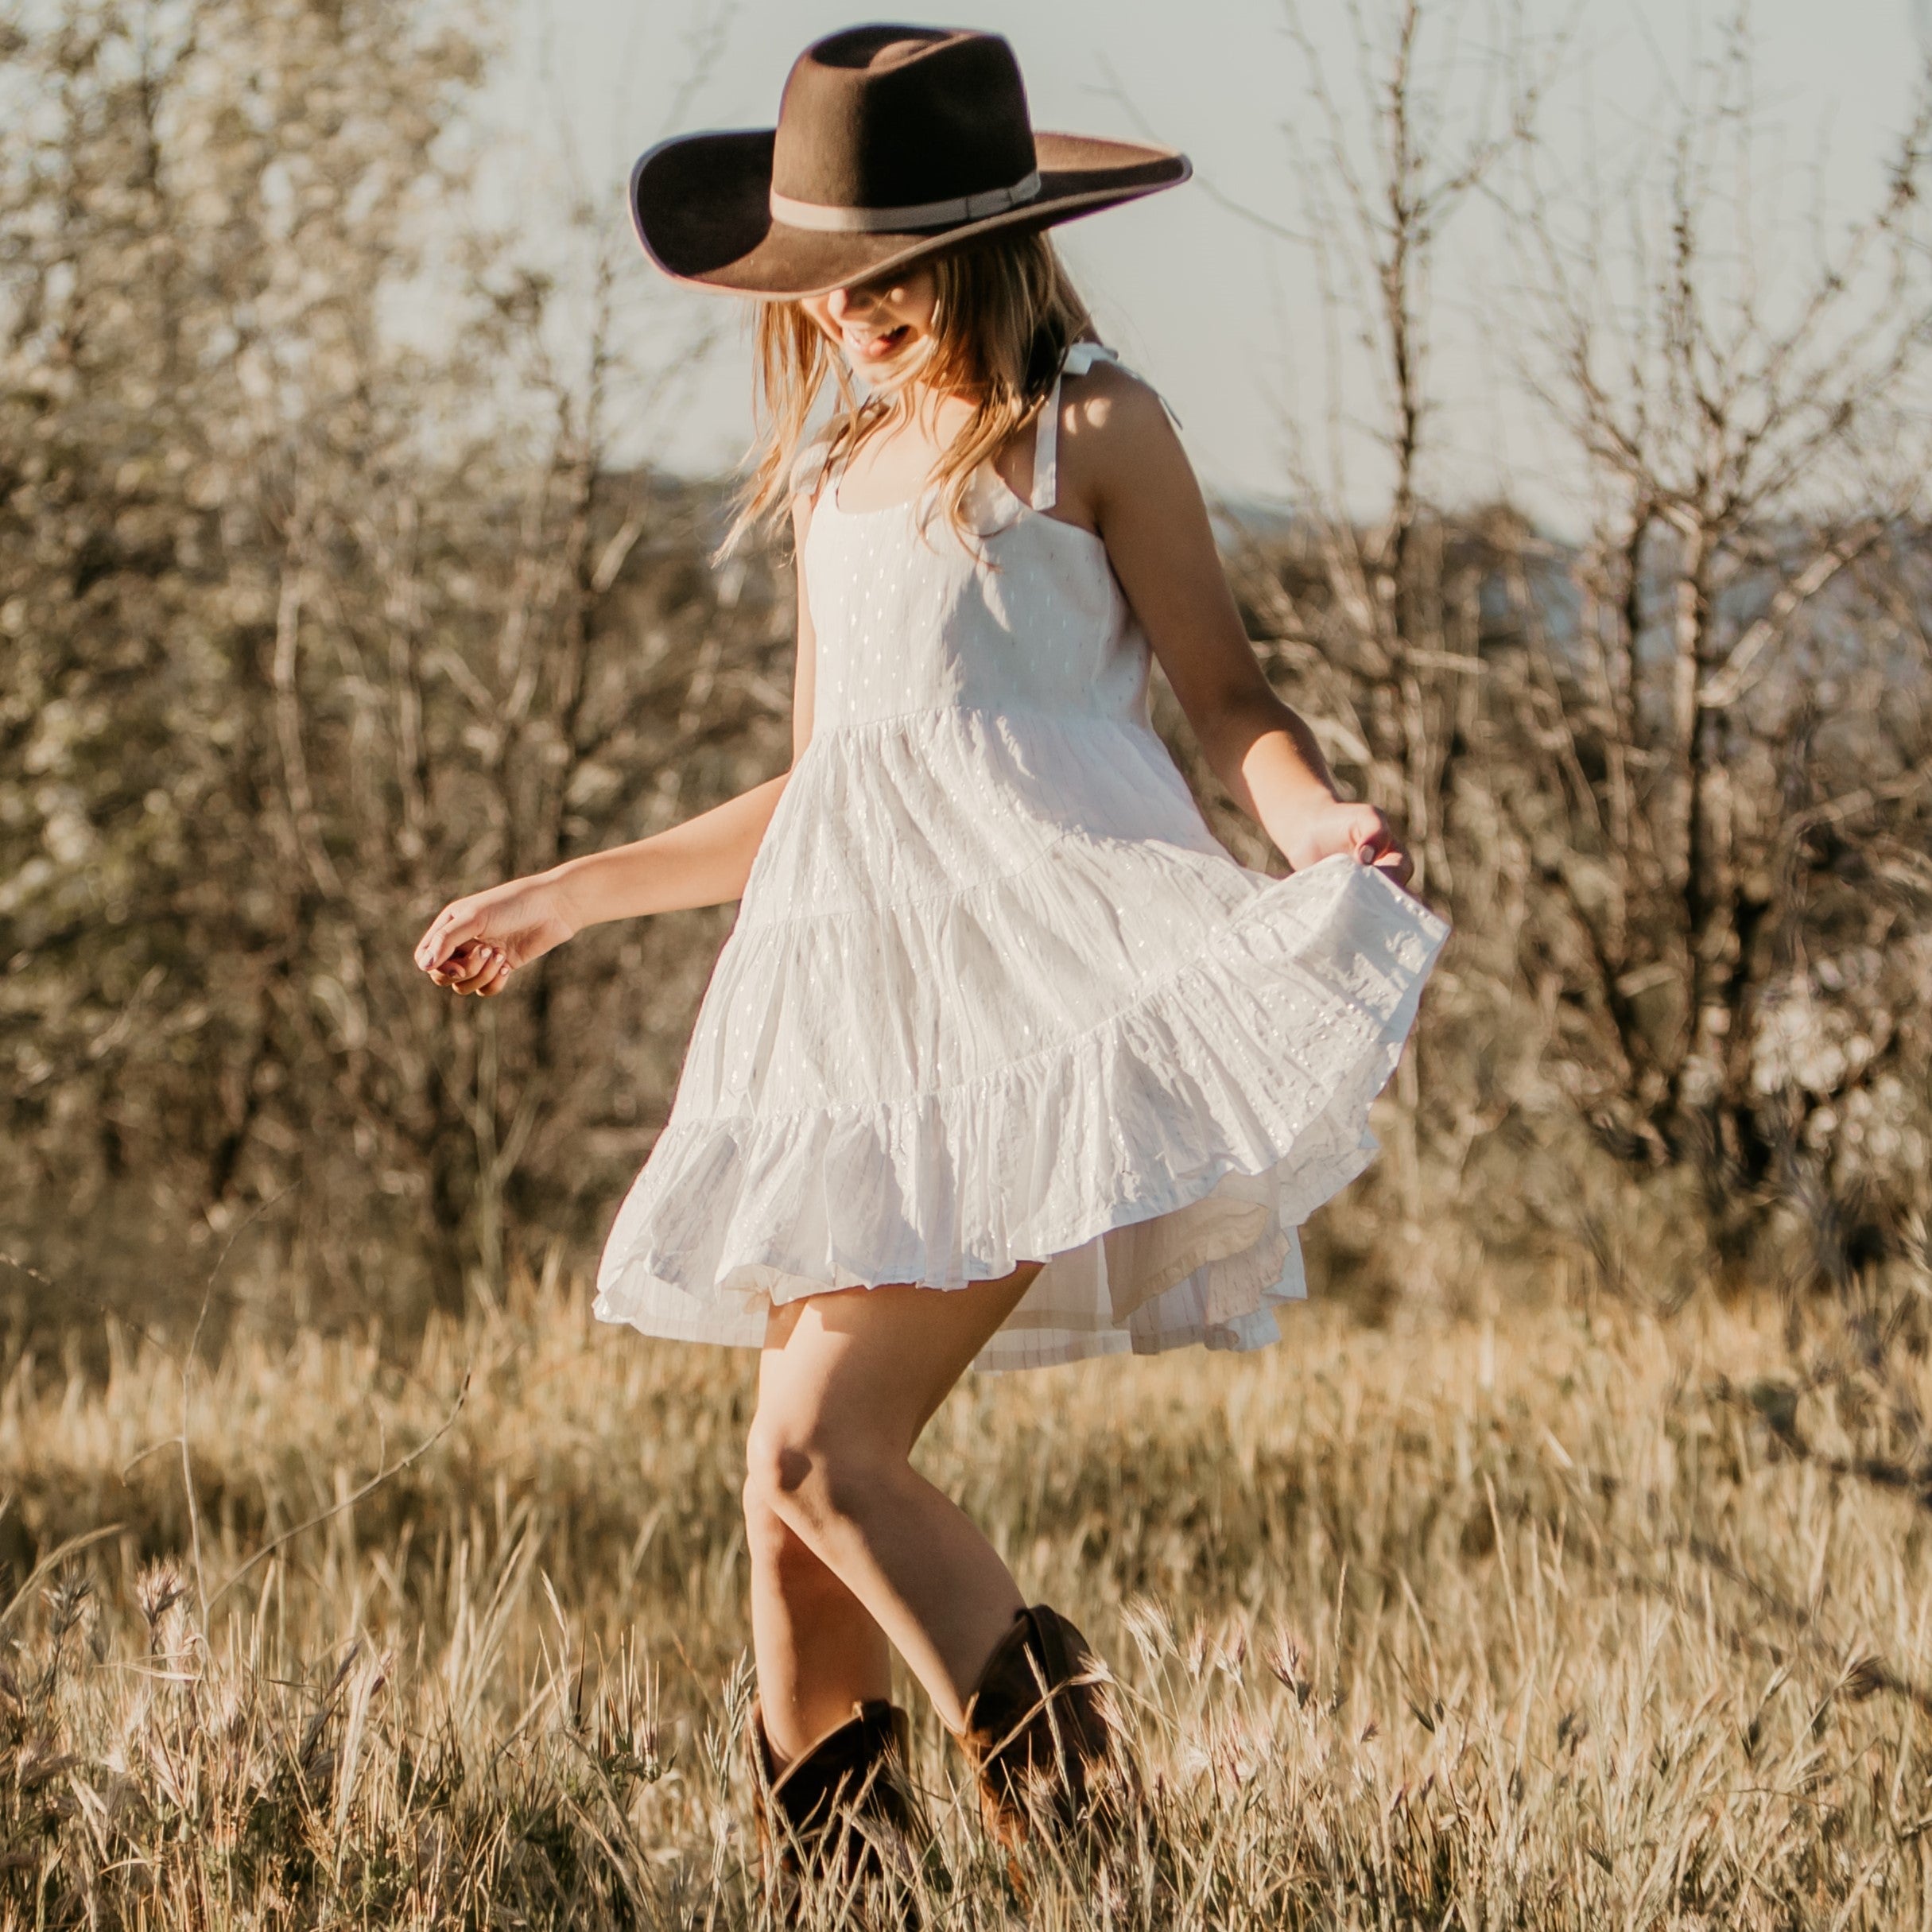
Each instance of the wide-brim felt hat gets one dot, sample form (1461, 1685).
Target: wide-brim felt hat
(893, 144)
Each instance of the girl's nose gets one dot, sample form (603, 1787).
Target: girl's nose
(843, 302)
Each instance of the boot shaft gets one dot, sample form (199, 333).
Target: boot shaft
(845, 1806)
(1044, 1736)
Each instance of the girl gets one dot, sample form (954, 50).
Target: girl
(1007, 1061)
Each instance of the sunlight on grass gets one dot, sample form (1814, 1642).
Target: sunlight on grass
(1550, 1624)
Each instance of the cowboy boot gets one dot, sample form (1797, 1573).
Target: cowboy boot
(845, 1808)
(1044, 1737)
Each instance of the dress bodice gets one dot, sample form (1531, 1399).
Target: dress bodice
(1024, 615)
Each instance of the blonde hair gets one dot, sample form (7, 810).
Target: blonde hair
(1005, 314)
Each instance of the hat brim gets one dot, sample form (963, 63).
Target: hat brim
(701, 207)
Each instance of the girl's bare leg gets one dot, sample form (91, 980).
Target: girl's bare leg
(851, 1549)
(818, 1651)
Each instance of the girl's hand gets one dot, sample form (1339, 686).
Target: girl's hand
(1359, 830)
(473, 945)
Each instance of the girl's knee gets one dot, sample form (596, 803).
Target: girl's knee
(777, 1550)
(767, 1532)
(806, 1476)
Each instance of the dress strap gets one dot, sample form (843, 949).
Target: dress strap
(1080, 357)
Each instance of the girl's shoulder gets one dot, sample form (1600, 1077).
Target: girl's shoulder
(1114, 426)
(1106, 393)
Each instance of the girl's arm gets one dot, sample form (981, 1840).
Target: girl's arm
(474, 945)
(1127, 477)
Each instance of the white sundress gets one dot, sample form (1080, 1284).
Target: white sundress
(996, 994)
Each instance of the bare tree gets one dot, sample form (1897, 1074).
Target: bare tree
(1756, 438)
(1626, 765)
(1373, 622)
(308, 628)
(1380, 170)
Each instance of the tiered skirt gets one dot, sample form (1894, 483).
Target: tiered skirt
(996, 995)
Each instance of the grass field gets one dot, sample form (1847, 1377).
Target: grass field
(1581, 1619)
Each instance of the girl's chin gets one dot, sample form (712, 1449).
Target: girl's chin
(886, 372)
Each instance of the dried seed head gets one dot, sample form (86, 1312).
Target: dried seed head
(1147, 1624)
(1865, 1677)
(1196, 1655)
(156, 1590)
(67, 1598)
(1288, 1660)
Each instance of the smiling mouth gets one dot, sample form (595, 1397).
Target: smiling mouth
(877, 346)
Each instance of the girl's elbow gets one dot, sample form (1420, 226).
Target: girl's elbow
(1237, 721)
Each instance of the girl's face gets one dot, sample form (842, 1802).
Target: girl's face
(884, 327)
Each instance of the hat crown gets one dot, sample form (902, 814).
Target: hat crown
(883, 117)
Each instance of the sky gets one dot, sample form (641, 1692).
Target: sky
(1221, 315)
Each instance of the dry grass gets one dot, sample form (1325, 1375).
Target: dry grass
(1576, 1620)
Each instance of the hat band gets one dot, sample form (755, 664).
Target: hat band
(919, 215)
